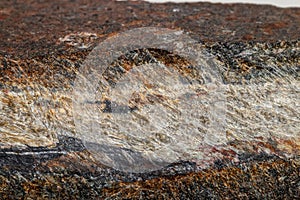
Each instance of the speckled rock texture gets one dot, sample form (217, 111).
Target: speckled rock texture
(43, 44)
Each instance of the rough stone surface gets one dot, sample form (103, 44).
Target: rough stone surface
(42, 46)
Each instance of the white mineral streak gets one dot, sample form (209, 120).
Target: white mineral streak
(34, 117)
(174, 120)
(82, 40)
(269, 110)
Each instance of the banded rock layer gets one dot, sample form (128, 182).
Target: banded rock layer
(43, 45)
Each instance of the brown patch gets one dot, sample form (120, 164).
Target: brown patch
(269, 28)
(226, 183)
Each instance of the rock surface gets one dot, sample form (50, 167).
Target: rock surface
(42, 47)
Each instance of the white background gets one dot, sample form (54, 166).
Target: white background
(280, 3)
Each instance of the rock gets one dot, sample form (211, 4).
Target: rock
(45, 43)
